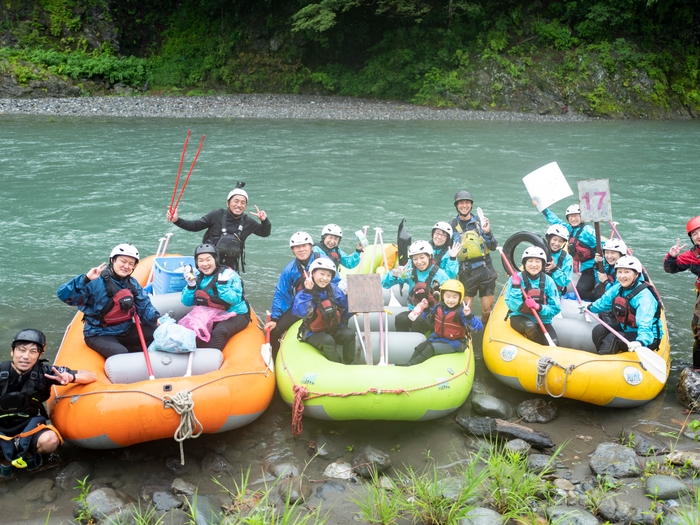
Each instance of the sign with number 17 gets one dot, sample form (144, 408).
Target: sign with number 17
(594, 199)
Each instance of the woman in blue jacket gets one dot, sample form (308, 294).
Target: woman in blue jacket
(635, 308)
(542, 297)
(444, 253)
(331, 235)
(561, 267)
(109, 298)
(217, 287)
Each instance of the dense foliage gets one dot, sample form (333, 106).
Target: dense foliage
(473, 53)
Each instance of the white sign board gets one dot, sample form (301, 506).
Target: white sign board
(547, 185)
(594, 199)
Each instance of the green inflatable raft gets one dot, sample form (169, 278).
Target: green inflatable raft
(334, 391)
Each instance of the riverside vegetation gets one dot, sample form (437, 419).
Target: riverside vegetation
(606, 58)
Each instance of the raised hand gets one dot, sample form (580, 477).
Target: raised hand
(676, 249)
(454, 249)
(61, 377)
(95, 272)
(486, 225)
(467, 308)
(171, 215)
(260, 214)
(308, 281)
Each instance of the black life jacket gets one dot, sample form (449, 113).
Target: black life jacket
(325, 314)
(447, 322)
(623, 310)
(230, 245)
(333, 254)
(298, 285)
(423, 290)
(26, 402)
(202, 297)
(536, 293)
(579, 251)
(121, 305)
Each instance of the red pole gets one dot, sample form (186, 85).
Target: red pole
(137, 322)
(179, 170)
(201, 143)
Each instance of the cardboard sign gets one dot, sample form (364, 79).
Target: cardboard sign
(547, 185)
(365, 293)
(594, 199)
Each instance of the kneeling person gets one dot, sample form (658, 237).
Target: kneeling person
(636, 309)
(324, 308)
(217, 287)
(453, 324)
(542, 297)
(25, 383)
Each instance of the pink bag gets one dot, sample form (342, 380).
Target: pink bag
(201, 320)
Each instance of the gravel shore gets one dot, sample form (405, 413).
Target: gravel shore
(258, 106)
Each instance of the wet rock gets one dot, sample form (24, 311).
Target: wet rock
(497, 428)
(207, 509)
(329, 487)
(127, 515)
(682, 516)
(35, 489)
(369, 460)
(51, 495)
(296, 489)
(339, 470)
(482, 516)
(451, 488)
(665, 487)
(490, 406)
(163, 501)
(689, 389)
(215, 464)
(644, 443)
(571, 515)
(680, 457)
(284, 468)
(67, 478)
(616, 510)
(563, 484)
(180, 486)
(537, 411)
(103, 502)
(518, 445)
(188, 469)
(175, 517)
(328, 447)
(615, 460)
(152, 486)
(540, 462)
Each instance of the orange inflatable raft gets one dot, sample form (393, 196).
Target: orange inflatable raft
(105, 415)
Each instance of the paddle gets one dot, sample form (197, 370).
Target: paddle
(652, 361)
(137, 322)
(189, 364)
(266, 348)
(150, 274)
(534, 313)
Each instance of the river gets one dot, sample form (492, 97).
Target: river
(72, 188)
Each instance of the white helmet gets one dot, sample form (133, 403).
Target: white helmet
(322, 263)
(615, 245)
(558, 230)
(300, 238)
(444, 226)
(331, 229)
(574, 208)
(629, 262)
(534, 252)
(125, 249)
(237, 191)
(420, 247)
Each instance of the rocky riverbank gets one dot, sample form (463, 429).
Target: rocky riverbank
(256, 106)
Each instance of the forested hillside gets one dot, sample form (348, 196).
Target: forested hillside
(613, 58)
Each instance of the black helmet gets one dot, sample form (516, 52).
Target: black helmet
(463, 195)
(29, 335)
(206, 248)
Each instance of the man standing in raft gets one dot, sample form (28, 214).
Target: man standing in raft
(228, 228)
(675, 262)
(25, 383)
(110, 298)
(476, 271)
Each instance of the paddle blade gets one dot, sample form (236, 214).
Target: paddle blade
(653, 362)
(266, 353)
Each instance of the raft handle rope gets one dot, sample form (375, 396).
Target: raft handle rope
(544, 364)
(189, 426)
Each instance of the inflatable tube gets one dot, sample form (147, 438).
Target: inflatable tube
(518, 238)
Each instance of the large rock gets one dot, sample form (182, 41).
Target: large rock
(490, 406)
(689, 389)
(570, 516)
(537, 411)
(644, 444)
(665, 487)
(103, 502)
(615, 460)
(482, 516)
(295, 489)
(368, 461)
(497, 428)
(35, 489)
(67, 478)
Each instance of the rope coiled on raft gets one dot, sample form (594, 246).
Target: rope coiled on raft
(189, 426)
(544, 364)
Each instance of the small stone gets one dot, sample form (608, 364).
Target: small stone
(537, 411)
(518, 446)
(68, 477)
(369, 460)
(51, 495)
(339, 470)
(215, 464)
(665, 487)
(180, 486)
(563, 484)
(490, 406)
(163, 501)
(296, 488)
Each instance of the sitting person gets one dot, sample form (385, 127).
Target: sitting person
(290, 282)
(331, 235)
(582, 244)
(453, 323)
(635, 306)
(421, 276)
(110, 300)
(217, 287)
(440, 241)
(324, 308)
(542, 297)
(25, 383)
(613, 249)
(561, 267)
